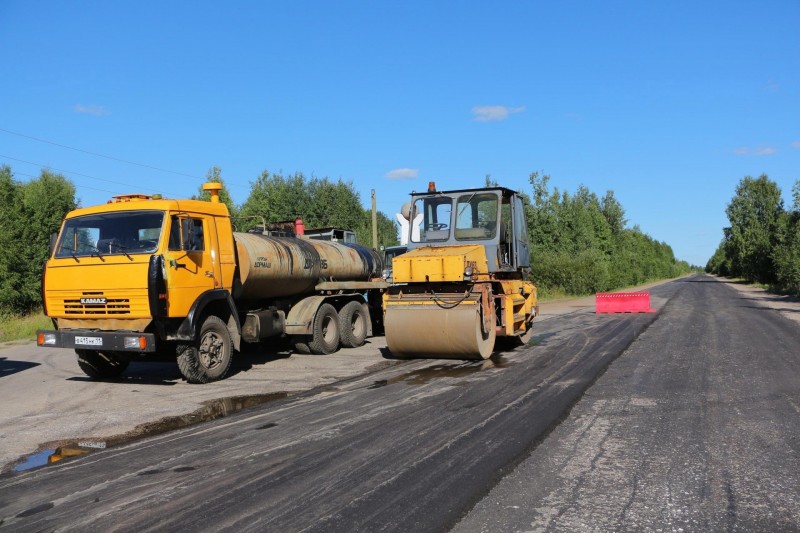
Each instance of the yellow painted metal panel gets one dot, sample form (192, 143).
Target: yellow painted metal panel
(120, 281)
(438, 263)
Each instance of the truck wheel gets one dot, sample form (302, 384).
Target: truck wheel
(353, 320)
(325, 338)
(101, 365)
(209, 358)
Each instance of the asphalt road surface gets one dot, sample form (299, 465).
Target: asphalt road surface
(695, 428)
(694, 425)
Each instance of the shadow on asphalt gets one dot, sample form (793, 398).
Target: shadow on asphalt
(9, 366)
(141, 373)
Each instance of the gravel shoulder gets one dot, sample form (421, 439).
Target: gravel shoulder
(788, 306)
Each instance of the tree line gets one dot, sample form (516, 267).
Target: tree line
(29, 213)
(579, 242)
(320, 202)
(762, 243)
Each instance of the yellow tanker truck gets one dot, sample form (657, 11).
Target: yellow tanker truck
(464, 281)
(144, 277)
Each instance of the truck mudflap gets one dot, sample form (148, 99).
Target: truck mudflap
(116, 341)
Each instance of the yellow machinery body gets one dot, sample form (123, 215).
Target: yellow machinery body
(454, 294)
(102, 283)
(146, 275)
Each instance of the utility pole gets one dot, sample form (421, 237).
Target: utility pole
(374, 222)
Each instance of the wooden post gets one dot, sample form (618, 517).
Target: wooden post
(374, 222)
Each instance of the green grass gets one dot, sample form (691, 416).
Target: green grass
(15, 327)
(544, 294)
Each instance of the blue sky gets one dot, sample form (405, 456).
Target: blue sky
(668, 104)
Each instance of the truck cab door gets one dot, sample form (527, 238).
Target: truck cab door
(190, 261)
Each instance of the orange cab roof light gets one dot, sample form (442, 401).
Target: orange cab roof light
(129, 197)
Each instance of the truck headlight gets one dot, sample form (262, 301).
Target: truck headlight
(46, 339)
(135, 343)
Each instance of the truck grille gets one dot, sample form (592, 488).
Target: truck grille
(113, 306)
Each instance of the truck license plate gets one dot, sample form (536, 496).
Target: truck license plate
(89, 341)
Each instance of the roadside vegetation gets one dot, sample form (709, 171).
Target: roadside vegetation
(31, 212)
(320, 202)
(762, 243)
(15, 327)
(580, 243)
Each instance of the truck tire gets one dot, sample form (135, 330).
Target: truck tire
(101, 365)
(353, 321)
(325, 337)
(209, 358)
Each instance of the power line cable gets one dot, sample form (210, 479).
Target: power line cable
(77, 186)
(83, 175)
(99, 155)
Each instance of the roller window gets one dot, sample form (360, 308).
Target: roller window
(476, 217)
(432, 216)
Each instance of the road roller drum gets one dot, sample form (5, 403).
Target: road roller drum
(429, 326)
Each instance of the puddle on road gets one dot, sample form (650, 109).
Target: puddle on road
(211, 410)
(459, 370)
(35, 460)
(54, 455)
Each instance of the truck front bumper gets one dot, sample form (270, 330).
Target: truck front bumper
(100, 341)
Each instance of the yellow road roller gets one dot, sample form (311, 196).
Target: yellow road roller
(464, 281)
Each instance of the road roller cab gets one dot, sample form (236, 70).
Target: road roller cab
(464, 280)
(492, 218)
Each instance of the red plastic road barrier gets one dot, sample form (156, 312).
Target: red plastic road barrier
(623, 302)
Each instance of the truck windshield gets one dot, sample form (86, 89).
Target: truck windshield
(121, 233)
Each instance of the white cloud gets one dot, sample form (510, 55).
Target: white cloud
(402, 174)
(489, 113)
(796, 144)
(96, 110)
(759, 151)
(766, 151)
